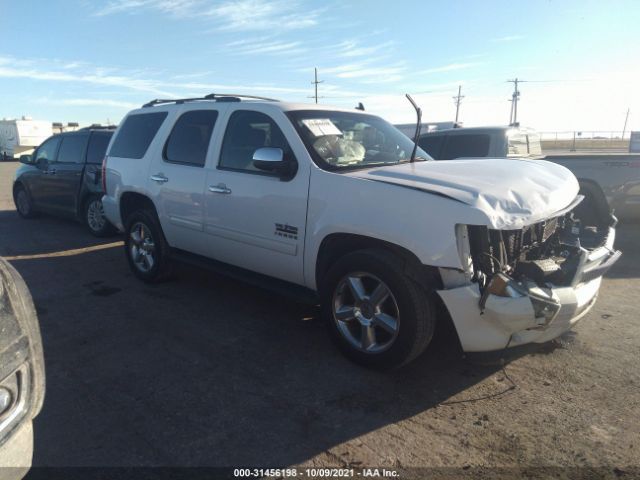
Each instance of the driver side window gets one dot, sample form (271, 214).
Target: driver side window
(48, 150)
(246, 132)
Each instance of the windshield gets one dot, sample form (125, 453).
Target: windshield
(346, 141)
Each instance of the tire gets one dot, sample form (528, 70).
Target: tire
(23, 203)
(146, 248)
(350, 321)
(94, 219)
(593, 210)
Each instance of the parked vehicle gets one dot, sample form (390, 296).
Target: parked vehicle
(63, 177)
(22, 378)
(329, 203)
(605, 179)
(20, 137)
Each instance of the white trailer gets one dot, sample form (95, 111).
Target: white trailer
(21, 137)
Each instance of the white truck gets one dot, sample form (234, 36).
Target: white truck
(338, 205)
(21, 137)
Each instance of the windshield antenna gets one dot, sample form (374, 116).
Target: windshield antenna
(418, 126)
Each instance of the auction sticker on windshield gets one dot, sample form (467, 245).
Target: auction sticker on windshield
(320, 127)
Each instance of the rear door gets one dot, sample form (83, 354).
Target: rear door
(177, 176)
(65, 178)
(96, 151)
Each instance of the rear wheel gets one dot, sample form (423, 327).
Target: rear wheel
(377, 315)
(95, 219)
(23, 202)
(146, 249)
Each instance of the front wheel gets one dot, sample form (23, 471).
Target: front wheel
(146, 249)
(23, 202)
(377, 315)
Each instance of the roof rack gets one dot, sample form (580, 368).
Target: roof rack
(216, 97)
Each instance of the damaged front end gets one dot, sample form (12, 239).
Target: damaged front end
(529, 284)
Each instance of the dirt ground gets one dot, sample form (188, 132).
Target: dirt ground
(207, 371)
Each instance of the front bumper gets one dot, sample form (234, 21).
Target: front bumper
(515, 320)
(17, 452)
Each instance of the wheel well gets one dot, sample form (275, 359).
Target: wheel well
(131, 201)
(337, 245)
(594, 207)
(17, 185)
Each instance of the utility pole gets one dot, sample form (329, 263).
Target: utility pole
(457, 100)
(626, 119)
(515, 97)
(315, 84)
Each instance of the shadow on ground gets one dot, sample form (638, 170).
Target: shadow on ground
(201, 370)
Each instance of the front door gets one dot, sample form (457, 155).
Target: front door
(44, 159)
(253, 219)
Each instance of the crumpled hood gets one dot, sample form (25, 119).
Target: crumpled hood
(511, 192)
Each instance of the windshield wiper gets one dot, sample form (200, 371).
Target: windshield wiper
(418, 126)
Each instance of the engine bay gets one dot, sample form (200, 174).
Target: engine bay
(547, 252)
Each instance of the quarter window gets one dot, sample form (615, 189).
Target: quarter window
(136, 134)
(246, 132)
(189, 139)
(98, 147)
(72, 149)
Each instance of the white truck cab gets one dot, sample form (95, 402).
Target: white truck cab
(329, 201)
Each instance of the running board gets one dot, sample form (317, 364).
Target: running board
(281, 287)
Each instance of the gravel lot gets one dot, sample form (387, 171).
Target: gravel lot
(207, 371)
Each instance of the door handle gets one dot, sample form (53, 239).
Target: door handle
(159, 177)
(50, 172)
(220, 188)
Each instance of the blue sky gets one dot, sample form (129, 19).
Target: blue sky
(89, 61)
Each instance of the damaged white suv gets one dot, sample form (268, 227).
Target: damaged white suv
(328, 202)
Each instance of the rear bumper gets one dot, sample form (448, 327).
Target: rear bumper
(112, 212)
(520, 319)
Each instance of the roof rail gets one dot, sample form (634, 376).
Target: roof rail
(216, 97)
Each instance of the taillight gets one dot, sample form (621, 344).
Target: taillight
(104, 175)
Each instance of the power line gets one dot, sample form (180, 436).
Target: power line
(457, 100)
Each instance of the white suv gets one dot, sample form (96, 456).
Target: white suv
(328, 202)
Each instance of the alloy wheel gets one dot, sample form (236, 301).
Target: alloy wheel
(366, 312)
(95, 215)
(142, 247)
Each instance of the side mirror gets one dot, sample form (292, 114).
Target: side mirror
(26, 159)
(270, 159)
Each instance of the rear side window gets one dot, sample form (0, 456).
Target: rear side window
(466, 146)
(432, 144)
(72, 149)
(136, 134)
(189, 139)
(98, 147)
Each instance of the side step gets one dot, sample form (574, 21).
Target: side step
(281, 287)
